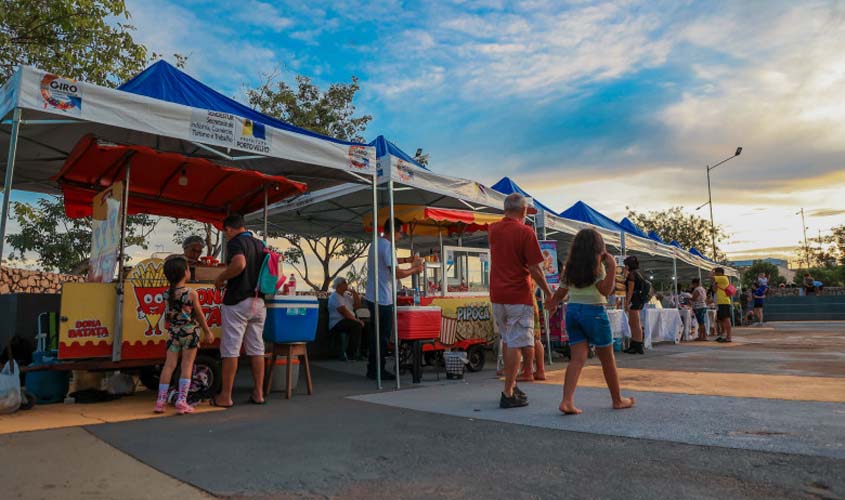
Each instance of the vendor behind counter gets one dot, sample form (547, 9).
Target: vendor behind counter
(192, 248)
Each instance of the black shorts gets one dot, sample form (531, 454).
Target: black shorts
(723, 311)
(637, 305)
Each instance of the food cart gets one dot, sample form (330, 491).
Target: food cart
(455, 279)
(121, 321)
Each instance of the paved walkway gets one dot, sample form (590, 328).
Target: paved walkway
(449, 440)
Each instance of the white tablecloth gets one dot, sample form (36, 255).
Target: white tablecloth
(661, 325)
(619, 323)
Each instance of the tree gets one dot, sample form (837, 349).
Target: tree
(61, 243)
(749, 277)
(212, 237)
(687, 229)
(342, 252)
(824, 250)
(838, 240)
(329, 113)
(332, 113)
(84, 39)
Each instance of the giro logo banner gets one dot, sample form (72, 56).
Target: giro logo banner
(62, 94)
(358, 157)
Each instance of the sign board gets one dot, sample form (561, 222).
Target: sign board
(550, 267)
(89, 309)
(105, 234)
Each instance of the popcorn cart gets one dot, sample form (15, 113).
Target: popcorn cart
(114, 324)
(455, 278)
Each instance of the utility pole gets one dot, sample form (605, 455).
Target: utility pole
(710, 199)
(806, 246)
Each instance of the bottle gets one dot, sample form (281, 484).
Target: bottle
(416, 297)
(291, 287)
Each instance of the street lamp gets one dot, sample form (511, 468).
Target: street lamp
(710, 198)
(806, 246)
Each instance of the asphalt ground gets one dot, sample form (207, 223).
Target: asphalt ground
(350, 441)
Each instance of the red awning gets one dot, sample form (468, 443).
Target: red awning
(210, 193)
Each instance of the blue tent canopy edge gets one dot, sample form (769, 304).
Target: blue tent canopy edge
(582, 212)
(507, 186)
(165, 82)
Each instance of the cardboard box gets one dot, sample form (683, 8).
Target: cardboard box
(208, 273)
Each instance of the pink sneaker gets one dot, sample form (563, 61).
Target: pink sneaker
(183, 407)
(159, 406)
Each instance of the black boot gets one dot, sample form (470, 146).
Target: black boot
(635, 348)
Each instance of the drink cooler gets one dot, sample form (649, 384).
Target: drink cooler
(291, 318)
(418, 323)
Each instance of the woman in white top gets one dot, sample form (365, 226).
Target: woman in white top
(589, 276)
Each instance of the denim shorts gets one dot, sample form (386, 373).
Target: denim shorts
(758, 303)
(701, 315)
(588, 323)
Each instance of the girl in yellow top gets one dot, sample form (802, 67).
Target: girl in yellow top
(589, 276)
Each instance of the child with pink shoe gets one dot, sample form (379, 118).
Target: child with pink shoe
(183, 317)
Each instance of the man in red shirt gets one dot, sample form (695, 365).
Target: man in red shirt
(515, 258)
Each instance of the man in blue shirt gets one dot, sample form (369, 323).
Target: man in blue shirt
(384, 251)
(759, 295)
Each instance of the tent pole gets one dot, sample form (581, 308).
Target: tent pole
(375, 253)
(265, 215)
(442, 265)
(545, 311)
(117, 338)
(675, 274)
(393, 282)
(10, 172)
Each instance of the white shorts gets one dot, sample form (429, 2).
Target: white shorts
(515, 323)
(243, 324)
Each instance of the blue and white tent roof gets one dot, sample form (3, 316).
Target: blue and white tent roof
(580, 211)
(630, 227)
(507, 186)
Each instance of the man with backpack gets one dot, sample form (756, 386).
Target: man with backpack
(243, 311)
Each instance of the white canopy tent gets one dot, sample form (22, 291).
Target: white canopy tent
(43, 116)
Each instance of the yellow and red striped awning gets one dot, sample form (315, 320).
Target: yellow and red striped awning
(428, 221)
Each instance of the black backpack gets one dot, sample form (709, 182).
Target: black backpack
(642, 288)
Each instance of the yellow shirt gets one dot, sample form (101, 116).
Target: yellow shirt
(722, 298)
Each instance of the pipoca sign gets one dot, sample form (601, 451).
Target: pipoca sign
(474, 313)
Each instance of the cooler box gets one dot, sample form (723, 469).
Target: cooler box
(418, 323)
(291, 318)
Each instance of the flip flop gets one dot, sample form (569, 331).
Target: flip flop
(254, 402)
(213, 402)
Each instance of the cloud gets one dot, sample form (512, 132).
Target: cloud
(826, 212)
(531, 53)
(256, 13)
(217, 52)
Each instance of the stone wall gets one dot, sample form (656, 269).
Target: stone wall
(24, 281)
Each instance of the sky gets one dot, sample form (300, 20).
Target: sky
(619, 104)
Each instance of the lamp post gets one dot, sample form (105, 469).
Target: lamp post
(710, 198)
(806, 246)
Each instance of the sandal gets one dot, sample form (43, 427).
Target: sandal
(254, 402)
(213, 402)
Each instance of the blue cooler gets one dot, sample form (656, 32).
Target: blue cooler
(291, 318)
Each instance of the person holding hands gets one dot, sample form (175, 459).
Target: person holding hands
(589, 276)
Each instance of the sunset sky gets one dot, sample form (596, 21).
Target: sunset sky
(614, 103)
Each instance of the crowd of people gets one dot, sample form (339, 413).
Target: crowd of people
(516, 274)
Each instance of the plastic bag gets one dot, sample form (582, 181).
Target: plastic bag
(10, 387)
(120, 384)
